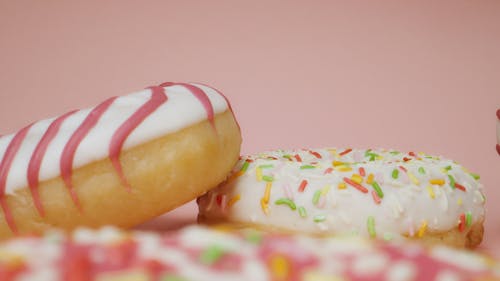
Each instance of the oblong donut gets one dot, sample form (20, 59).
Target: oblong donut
(145, 153)
(374, 193)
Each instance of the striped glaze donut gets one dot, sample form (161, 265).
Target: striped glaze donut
(374, 193)
(201, 254)
(126, 160)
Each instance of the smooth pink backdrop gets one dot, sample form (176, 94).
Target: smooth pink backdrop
(421, 75)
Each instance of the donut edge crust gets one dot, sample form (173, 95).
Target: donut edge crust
(164, 173)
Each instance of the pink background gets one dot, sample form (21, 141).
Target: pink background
(422, 76)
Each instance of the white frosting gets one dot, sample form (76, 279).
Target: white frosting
(409, 201)
(181, 110)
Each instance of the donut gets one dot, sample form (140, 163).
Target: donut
(124, 161)
(197, 253)
(384, 194)
(498, 131)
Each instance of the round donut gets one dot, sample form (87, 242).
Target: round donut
(375, 193)
(201, 254)
(124, 161)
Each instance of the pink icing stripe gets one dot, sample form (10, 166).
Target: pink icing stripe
(158, 97)
(228, 104)
(498, 114)
(68, 153)
(37, 157)
(5, 165)
(200, 95)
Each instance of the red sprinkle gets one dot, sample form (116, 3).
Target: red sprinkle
(461, 187)
(303, 185)
(406, 159)
(461, 224)
(356, 185)
(498, 114)
(362, 171)
(403, 169)
(328, 171)
(412, 154)
(316, 154)
(345, 152)
(297, 157)
(375, 197)
(218, 200)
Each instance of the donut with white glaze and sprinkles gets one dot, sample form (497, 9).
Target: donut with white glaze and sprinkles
(196, 253)
(383, 194)
(126, 160)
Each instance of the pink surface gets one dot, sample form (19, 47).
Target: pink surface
(421, 76)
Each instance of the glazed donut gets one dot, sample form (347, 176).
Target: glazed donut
(196, 253)
(375, 193)
(122, 162)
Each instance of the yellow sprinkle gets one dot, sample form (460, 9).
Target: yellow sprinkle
(422, 229)
(342, 185)
(379, 157)
(357, 178)
(431, 191)
(233, 200)
(369, 180)
(258, 173)
(338, 163)
(280, 268)
(459, 201)
(334, 153)
(444, 171)
(325, 190)
(413, 178)
(436, 181)
(264, 202)
(264, 206)
(344, 168)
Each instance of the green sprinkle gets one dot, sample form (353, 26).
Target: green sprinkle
(304, 167)
(316, 196)
(452, 181)
(302, 212)
(388, 236)
(267, 166)
(287, 156)
(468, 219)
(245, 166)
(475, 176)
(377, 188)
(170, 277)
(447, 168)
(286, 201)
(211, 255)
(370, 223)
(395, 173)
(367, 152)
(421, 170)
(394, 152)
(268, 178)
(319, 218)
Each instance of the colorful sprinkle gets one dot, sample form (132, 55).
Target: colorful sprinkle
(369, 180)
(460, 187)
(286, 201)
(422, 229)
(319, 218)
(244, 167)
(302, 212)
(267, 166)
(468, 219)
(344, 168)
(316, 154)
(421, 170)
(461, 223)
(268, 178)
(316, 196)
(452, 181)
(345, 152)
(395, 173)
(377, 188)
(211, 255)
(436, 181)
(403, 169)
(362, 171)
(306, 167)
(280, 268)
(342, 185)
(265, 200)
(258, 173)
(370, 223)
(475, 176)
(233, 200)
(338, 163)
(303, 185)
(459, 201)
(297, 157)
(375, 197)
(430, 190)
(328, 171)
(356, 185)
(413, 178)
(356, 178)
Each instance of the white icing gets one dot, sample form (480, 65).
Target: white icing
(406, 204)
(181, 110)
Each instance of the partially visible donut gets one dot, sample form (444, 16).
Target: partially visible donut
(122, 162)
(375, 193)
(202, 254)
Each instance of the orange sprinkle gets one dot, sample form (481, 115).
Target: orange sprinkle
(461, 187)
(356, 185)
(345, 152)
(437, 181)
(233, 200)
(362, 171)
(264, 202)
(297, 157)
(303, 185)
